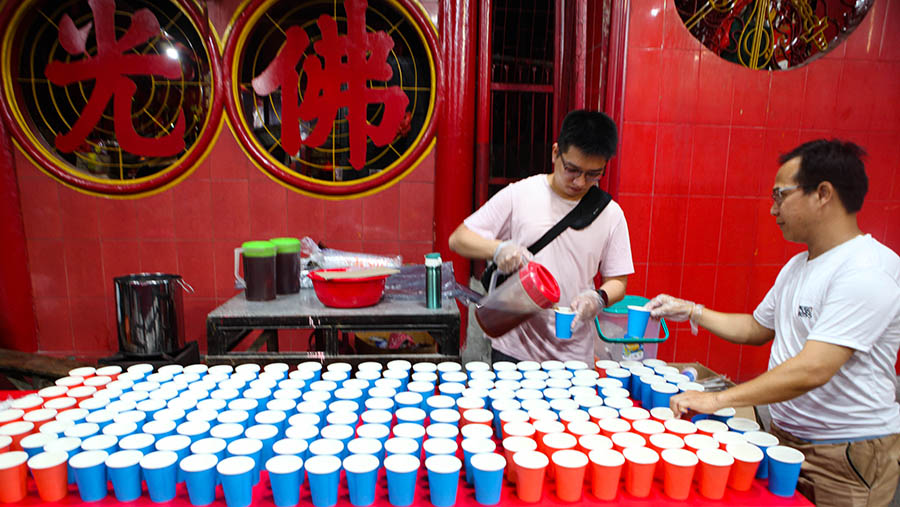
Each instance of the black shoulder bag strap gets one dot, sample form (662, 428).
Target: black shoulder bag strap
(582, 215)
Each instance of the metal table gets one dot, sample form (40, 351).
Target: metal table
(232, 322)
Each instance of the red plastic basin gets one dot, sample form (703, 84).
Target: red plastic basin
(348, 292)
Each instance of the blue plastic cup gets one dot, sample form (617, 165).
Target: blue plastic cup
(124, 471)
(564, 318)
(488, 471)
(784, 469)
(195, 430)
(370, 446)
(661, 393)
(379, 432)
(265, 433)
(443, 479)
(326, 447)
(251, 448)
(236, 475)
(285, 478)
(227, 432)
(402, 470)
(412, 415)
(340, 432)
(638, 316)
(362, 473)
(471, 447)
(199, 472)
(400, 445)
(180, 445)
(34, 443)
(69, 445)
(323, 472)
(291, 447)
(90, 474)
(410, 430)
(159, 469)
(646, 395)
(762, 440)
(439, 447)
(214, 446)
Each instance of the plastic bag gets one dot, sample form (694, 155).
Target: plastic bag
(328, 258)
(409, 283)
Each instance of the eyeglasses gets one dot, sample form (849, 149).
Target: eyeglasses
(779, 193)
(574, 172)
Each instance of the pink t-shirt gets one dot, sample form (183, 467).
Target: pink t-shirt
(523, 212)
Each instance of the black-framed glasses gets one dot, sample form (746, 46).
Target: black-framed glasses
(779, 193)
(574, 172)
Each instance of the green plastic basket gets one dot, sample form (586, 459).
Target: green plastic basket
(622, 307)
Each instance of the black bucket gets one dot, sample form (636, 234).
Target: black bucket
(150, 314)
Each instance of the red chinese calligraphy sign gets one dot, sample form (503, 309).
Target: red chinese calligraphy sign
(334, 99)
(120, 101)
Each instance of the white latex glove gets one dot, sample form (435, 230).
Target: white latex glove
(510, 257)
(586, 305)
(665, 306)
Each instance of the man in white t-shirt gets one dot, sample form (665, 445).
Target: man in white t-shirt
(517, 216)
(834, 316)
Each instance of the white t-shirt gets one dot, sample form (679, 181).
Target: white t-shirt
(523, 212)
(848, 296)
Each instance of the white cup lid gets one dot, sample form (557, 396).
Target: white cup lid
(518, 444)
(785, 454)
(45, 460)
(360, 463)
(284, 464)
(442, 430)
(123, 459)
(401, 445)
(244, 446)
(443, 464)
(489, 462)
(666, 441)
(715, 457)
(742, 451)
(401, 463)
(173, 443)
(326, 447)
(640, 455)
(235, 465)
(87, 459)
(440, 446)
(530, 459)
(679, 457)
(476, 431)
(261, 431)
(570, 458)
(478, 445)
(136, 441)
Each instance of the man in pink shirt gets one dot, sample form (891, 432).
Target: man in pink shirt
(523, 211)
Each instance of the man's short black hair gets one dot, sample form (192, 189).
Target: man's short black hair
(592, 132)
(836, 161)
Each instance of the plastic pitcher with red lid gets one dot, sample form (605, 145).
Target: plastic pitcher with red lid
(529, 291)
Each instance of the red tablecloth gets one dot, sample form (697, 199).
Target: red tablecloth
(262, 496)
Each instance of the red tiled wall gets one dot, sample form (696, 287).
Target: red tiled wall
(77, 243)
(700, 142)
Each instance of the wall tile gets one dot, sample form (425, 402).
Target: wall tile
(678, 97)
(305, 216)
(92, 333)
(645, 24)
(119, 219)
(40, 206)
(424, 172)
(192, 209)
(636, 165)
(344, 220)
(709, 160)
(227, 161)
(381, 215)
(389, 248)
(637, 281)
(703, 229)
(84, 271)
(54, 325)
(884, 86)
(196, 266)
(414, 251)
(751, 97)
(739, 217)
(668, 229)
(865, 41)
(79, 214)
(819, 99)
(691, 348)
(268, 209)
(663, 279)
(716, 89)
(642, 96)
(416, 214)
(854, 106)
(156, 216)
(675, 34)
(745, 162)
(230, 206)
(637, 215)
(223, 263)
(786, 98)
(119, 258)
(882, 165)
(672, 173)
(159, 256)
(46, 260)
(769, 242)
(890, 42)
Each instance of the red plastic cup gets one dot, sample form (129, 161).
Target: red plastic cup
(569, 466)
(606, 470)
(111, 371)
(519, 429)
(678, 472)
(709, 427)
(17, 431)
(508, 416)
(553, 442)
(69, 382)
(588, 443)
(647, 427)
(61, 404)
(531, 467)
(98, 381)
(11, 415)
(5, 442)
(477, 416)
(661, 442)
(715, 466)
(52, 392)
(81, 393)
(543, 428)
(602, 365)
(12, 476)
(83, 372)
(600, 413)
(680, 427)
(40, 417)
(513, 445)
(581, 428)
(50, 473)
(640, 464)
(696, 442)
(728, 437)
(746, 460)
(539, 414)
(626, 439)
(27, 403)
(632, 414)
(661, 414)
(610, 426)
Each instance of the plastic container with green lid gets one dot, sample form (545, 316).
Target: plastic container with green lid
(287, 265)
(259, 269)
(613, 322)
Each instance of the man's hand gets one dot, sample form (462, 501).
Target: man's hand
(510, 257)
(695, 401)
(586, 306)
(665, 306)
